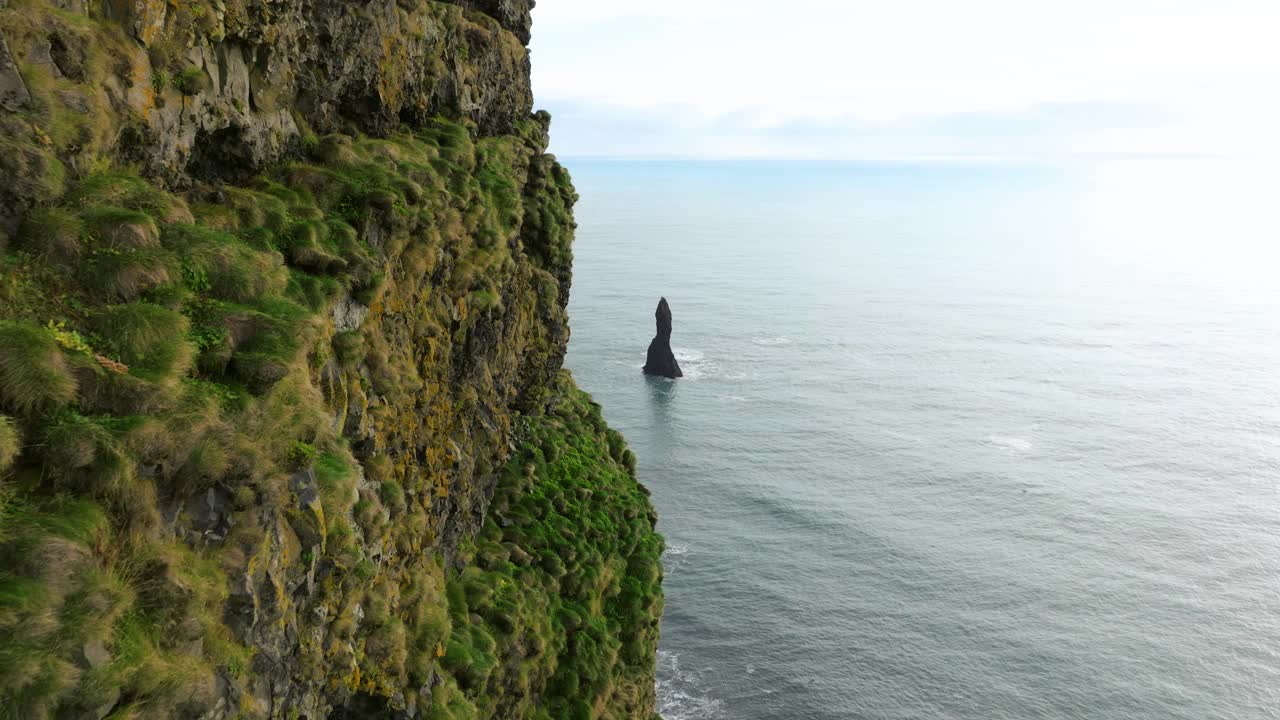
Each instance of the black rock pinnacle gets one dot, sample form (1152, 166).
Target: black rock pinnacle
(661, 360)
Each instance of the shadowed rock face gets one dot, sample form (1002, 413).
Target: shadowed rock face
(661, 361)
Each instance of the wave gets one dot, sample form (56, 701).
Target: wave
(687, 355)
(694, 363)
(1009, 442)
(682, 694)
(676, 556)
(779, 340)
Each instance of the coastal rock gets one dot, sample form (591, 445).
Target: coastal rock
(13, 91)
(661, 361)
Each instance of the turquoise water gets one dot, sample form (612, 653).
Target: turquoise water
(954, 441)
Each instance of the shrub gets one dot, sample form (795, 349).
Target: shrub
(34, 376)
(191, 81)
(68, 339)
(301, 454)
(160, 79)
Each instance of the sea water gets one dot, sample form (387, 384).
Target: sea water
(955, 440)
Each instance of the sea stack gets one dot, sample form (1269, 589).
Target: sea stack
(661, 360)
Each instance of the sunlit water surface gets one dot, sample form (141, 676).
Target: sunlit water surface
(954, 441)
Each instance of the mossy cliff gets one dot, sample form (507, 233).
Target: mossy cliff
(283, 429)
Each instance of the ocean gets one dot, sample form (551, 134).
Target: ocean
(955, 440)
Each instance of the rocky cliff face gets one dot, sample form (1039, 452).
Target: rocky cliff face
(283, 430)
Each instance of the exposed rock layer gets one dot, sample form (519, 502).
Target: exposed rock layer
(197, 89)
(283, 431)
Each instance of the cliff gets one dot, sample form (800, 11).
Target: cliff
(283, 429)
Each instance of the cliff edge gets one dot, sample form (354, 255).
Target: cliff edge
(283, 427)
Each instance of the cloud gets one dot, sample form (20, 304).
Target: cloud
(749, 66)
(583, 11)
(675, 130)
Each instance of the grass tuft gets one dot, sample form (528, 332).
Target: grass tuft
(122, 190)
(120, 228)
(54, 234)
(112, 274)
(223, 266)
(146, 337)
(34, 376)
(10, 445)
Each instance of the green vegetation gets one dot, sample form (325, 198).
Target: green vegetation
(565, 573)
(153, 352)
(34, 375)
(10, 443)
(191, 81)
(247, 431)
(149, 338)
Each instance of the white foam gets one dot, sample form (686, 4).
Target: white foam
(694, 363)
(675, 557)
(681, 694)
(779, 340)
(686, 355)
(1009, 442)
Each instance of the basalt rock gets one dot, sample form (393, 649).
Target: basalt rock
(13, 91)
(661, 360)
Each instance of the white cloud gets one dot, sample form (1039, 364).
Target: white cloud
(769, 64)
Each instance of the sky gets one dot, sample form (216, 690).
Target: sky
(858, 79)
